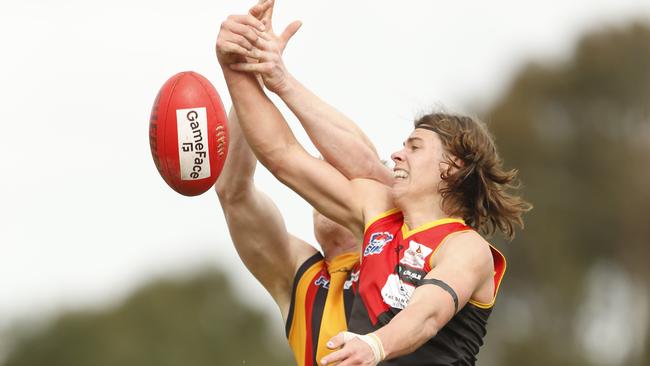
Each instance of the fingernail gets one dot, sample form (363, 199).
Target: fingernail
(330, 344)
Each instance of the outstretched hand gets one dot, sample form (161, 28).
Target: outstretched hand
(264, 12)
(236, 37)
(265, 57)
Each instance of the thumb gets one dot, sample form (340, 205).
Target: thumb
(340, 339)
(289, 31)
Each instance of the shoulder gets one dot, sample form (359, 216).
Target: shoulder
(375, 197)
(467, 249)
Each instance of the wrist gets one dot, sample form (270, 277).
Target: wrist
(287, 88)
(372, 340)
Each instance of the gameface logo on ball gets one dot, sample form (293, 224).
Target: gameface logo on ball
(377, 242)
(193, 155)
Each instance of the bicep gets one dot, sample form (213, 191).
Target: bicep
(261, 239)
(461, 268)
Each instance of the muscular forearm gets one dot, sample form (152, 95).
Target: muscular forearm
(410, 329)
(259, 119)
(338, 139)
(236, 178)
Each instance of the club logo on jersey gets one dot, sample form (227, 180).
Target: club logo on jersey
(377, 242)
(415, 255)
(322, 281)
(396, 293)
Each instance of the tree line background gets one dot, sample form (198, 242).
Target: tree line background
(576, 291)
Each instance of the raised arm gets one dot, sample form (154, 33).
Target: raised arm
(339, 139)
(274, 144)
(256, 226)
(341, 142)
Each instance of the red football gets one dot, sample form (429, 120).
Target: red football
(188, 133)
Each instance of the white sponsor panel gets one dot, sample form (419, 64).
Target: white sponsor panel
(193, 149)
(416, 253)
(395, 293)
(354, 277)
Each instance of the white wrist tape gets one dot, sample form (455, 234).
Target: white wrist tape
(375, 344)
(371, 340)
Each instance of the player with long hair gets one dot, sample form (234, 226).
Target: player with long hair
(313, 290)
(428, 279)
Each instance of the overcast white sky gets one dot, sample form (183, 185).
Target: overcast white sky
(85, 217)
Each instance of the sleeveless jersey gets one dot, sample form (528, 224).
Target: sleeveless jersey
(321, 303)
(394, 261)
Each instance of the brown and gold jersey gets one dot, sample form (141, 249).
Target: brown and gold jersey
(321, 302)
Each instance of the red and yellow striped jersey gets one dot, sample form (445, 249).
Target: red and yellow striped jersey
(395, 259)
(321, 303)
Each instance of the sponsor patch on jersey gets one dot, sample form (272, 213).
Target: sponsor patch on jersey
(411, 275)
(322, 281)
(395, 293)
(377, 242)
(354, 277)
(416, 253)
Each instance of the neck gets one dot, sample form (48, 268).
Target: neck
(418, 212)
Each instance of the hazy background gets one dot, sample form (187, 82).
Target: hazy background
(86, 223)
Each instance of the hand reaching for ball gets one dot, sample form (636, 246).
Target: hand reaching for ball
(243, 45)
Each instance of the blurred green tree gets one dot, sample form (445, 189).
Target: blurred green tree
(168, 323)
(579, 133)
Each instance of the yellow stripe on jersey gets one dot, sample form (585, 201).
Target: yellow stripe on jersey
(500, 265)
(298, 332)
(334, 320)
(406, 232)
(379, 217)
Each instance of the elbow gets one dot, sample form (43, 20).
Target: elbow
(275, 160)
(231, 193)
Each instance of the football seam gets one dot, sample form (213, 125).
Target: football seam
(171, 92)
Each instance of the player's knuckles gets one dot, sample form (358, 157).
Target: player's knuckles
(227, 25)
(249, 19)
(250, 35)
(243, 42)
(228, 48)
(221, 44)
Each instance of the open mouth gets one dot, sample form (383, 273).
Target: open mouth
(400, 174)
